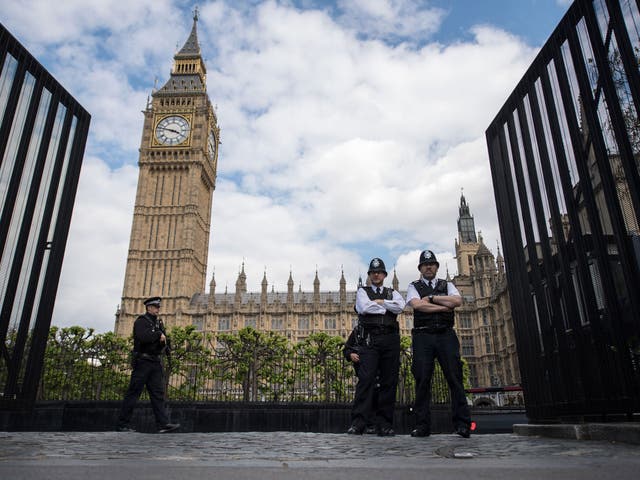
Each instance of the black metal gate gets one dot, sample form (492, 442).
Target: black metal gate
(565, 161)
(43, 132)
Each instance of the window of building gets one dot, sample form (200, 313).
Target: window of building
(277, 323)
(224, 323)
(473, 376)
(487, 343)
(251, 322)
(198, 322)
(330, 323)
(468, 350)
(303, 323)
(464, 320)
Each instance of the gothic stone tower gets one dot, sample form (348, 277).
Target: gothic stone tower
(172, 215)
(466, 244)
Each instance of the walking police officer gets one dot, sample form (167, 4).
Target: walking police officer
(149, 343)
(378, 353)
(433, 301)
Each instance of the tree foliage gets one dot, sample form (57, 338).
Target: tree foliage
(320, 368)
(259, 361)
(248, 365)
(80, 364)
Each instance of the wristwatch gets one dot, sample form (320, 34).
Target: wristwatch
(430, 297)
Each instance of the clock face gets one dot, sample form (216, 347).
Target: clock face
(212, 144)
(172, 130)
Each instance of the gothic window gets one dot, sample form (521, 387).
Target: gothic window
(303, 323)
(223, 323)
(277, 323)
(473, 375)
(468, 349)
(465, 320)
(487, 342)
(250, 322)
(330, 323)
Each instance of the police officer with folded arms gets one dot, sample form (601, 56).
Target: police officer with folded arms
(433, 301)
(149, 344)
(378, 353)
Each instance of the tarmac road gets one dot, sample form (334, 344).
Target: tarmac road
(308, 456)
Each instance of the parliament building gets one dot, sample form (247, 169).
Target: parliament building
(170, 236)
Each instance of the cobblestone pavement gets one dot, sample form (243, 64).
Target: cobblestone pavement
(307, 456)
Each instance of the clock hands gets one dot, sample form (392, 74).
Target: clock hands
(177, 132)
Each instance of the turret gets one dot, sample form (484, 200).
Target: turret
(263, 294)
(316, 289)
(343, 288)
(212, 291)
(290, 289)
(241, 284)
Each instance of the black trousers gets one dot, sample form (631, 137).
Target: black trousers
(379, 363)
(446, 348)
(145, 373)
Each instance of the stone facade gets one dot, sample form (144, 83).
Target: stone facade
(483, 322)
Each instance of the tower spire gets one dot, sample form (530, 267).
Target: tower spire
(189, 73)
(466, 224)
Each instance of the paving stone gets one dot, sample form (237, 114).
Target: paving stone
(307, 456)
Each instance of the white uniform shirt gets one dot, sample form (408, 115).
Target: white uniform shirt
(413, 293)
(366, 306)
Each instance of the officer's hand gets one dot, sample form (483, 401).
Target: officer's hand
(379, 301)
(163, 339)
(355, 358)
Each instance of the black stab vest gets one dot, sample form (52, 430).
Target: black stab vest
(387, 319)
(435, 321)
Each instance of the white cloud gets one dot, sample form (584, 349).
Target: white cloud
(336, 146)
(93, 270)
(391, 18)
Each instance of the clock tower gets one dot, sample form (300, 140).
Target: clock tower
(172, 215)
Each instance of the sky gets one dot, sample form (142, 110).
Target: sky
(349, 129)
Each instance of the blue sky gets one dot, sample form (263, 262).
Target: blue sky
(349, 128)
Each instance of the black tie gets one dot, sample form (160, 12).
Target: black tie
(378, 290)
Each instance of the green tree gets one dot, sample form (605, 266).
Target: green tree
(190, 368)
(320, 367)
(406, 382)
(259, 362)
(81, 365)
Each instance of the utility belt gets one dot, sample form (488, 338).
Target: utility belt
(433, 327)
(381, 329)
(147, 356)
(379, 320)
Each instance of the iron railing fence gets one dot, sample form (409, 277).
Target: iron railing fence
(211, 377)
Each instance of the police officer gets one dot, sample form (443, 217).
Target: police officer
(378, 354)
(433, 301)
(351, 352)
(149, 343)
